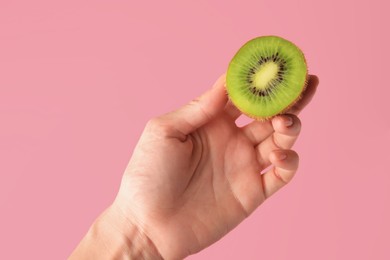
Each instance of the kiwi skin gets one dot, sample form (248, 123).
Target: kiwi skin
(284, 111)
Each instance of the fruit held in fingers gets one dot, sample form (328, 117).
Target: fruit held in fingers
(266, 77)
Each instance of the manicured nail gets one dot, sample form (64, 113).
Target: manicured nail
(281, 156)
(288, 121)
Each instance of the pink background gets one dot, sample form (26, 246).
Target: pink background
(79, 79)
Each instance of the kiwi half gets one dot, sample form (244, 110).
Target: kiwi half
(266, 77)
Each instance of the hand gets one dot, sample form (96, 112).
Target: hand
(195, 175)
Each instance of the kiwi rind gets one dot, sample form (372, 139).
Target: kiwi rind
(287, 107)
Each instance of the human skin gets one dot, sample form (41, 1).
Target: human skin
(194, 176)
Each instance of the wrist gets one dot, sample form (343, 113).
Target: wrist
(113, 236)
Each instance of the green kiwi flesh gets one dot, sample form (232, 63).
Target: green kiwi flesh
(266, 77)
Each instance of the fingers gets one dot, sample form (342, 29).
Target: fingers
(255, 132)
(307, 95)
(258, 131)
(286, 131)
(199, 111)
(252, 188)
(285, 166)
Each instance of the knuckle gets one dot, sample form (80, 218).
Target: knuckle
(157, 126)
(153, 123)
(193, 103)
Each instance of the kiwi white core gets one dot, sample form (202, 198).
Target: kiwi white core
(266, 72)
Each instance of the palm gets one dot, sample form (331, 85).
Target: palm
(195, 204)
(188, 186)
(212, 200)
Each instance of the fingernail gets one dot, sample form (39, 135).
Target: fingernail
(288, 121)
(281, 156)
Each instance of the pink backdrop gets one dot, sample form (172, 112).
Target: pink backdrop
(79, 79)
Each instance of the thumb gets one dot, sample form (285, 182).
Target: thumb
(200, 110)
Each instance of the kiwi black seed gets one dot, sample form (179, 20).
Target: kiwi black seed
(266, 77)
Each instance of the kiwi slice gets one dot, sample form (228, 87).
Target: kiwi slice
(266, 77)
